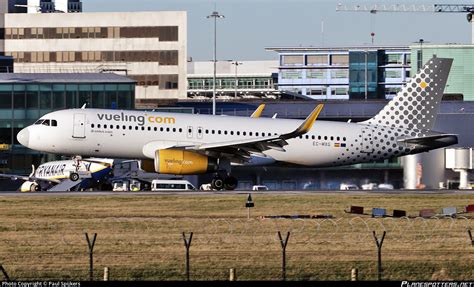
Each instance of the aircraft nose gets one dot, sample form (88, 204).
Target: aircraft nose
(23, 137)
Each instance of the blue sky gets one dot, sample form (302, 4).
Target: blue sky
(252, 25)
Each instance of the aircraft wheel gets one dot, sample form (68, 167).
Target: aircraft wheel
(217, 183)
(230, 183)
(74, 177)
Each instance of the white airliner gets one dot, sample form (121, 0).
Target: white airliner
(90, 172)
(195, 144)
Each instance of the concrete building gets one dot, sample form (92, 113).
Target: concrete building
(149, 47)
(343, 73)
(234, 79)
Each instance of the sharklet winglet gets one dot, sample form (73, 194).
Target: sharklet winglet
(306, 125)
(258, 111)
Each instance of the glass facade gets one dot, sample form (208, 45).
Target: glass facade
(460, 83)
(363, 75)
(228, 85)
(343, 73)
(22, 104)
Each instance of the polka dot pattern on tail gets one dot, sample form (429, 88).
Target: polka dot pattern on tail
(417, 104)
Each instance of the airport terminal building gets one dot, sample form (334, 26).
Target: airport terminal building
(343, 73)
(148, 47)
(235, 80)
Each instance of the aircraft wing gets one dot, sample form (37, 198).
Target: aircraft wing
(241, 149)
(28, 178)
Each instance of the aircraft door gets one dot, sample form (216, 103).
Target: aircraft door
(79, 128)
(367, 143)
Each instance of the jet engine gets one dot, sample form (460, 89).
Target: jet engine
(183, 162)
(29, 186)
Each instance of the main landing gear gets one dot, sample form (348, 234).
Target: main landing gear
(227, 182)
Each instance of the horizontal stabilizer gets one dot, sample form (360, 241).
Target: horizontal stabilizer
(433, 141)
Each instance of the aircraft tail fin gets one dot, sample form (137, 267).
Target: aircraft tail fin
(417, 104)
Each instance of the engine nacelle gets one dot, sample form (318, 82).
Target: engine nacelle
(29, 186)
(183, 162)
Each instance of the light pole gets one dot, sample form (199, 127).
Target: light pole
(216, 16)
(366, 75)
(419, 60)
(236, 63)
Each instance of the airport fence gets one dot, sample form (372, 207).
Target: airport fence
(144, 248)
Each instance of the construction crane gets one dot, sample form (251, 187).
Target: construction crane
(435, 8)
(419, 8)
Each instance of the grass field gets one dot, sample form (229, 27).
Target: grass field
(140, 237)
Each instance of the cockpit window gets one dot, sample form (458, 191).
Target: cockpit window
(52, 123)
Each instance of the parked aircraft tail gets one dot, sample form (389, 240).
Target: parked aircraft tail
(417, 104)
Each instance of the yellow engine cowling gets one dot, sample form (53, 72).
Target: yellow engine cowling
(183, 162)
